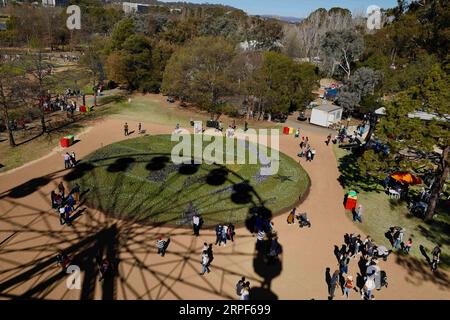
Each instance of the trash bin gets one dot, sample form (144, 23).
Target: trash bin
(64, 142)
(291, 130)
(83, 109)
(286, 130)
(350, 202)
(70, 138)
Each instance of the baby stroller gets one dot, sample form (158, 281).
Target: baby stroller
(303, 220)
(381, 252)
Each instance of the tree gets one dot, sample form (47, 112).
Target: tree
(341, 48)
(415, 144)
(40, 72)
(13, 94)
(201, 72)
(92, 59)
(360, 85)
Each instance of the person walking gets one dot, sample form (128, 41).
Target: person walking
(125, 129)
(224, 235)
(291, 216)
(196, 224)
(240, 285)
(436, 257)
(205, 261)
(139, 127)
(357, 216)
(53, 199)
(328, 139)
(161, 245)
(66, 160)
(68, 210)
(343, 264)
(334, 282)
(61, 189)
(218, 234)
(245, 126)
(76, 192)
(231, 232)
(210, 253)
(73, 159)
(245, 292)
(313, 154)
(348, 286)
(62, 215)
(398, 238)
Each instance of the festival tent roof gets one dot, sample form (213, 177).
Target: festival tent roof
(406, 177)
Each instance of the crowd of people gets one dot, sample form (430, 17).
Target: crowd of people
(372, 277)
(65, 204)
(306, 151)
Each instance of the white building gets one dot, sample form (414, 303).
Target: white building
(55, 3)
(326, 114)
(131, 7)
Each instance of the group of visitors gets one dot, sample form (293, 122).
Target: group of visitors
(306, 150)
(223, 233)
(243, 289)
(372, 276)
(65, 205)
(162, 245)
(70, 160)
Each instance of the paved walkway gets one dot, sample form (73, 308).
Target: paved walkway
(30, 235)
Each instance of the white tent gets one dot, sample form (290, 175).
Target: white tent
(326, 115)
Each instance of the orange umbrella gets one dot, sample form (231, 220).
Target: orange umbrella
(406, 177)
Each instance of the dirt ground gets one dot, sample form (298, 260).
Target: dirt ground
(30, 236)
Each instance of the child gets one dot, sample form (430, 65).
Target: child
(407, 246)
(291, 217)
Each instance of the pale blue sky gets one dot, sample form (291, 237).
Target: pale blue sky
(297, 8)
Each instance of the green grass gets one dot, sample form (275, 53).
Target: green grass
(130, 179)
(380, 212)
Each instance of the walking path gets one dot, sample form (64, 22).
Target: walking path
(30, 235)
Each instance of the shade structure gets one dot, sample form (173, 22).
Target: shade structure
(406, 177)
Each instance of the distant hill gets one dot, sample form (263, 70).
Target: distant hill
(285, 19)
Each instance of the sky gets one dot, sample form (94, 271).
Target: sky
(297, 8)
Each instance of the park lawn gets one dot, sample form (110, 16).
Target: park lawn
(131, 179)
(380, 212)
(32, 145)
(150, 108)
(112, 103)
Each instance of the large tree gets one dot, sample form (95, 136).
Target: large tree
(416, 144)
(201, 72)
(341, 48)
(360, 85)
(14, 93)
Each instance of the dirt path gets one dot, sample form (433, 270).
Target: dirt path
(30, 236)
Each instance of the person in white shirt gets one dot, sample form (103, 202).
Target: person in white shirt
(196, 225)
(205, 260)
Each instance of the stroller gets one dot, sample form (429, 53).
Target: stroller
(303, 220)
(381, 252)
